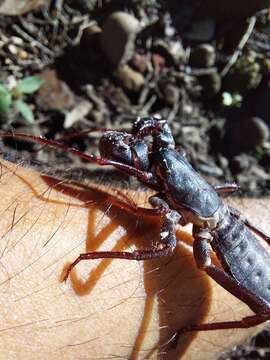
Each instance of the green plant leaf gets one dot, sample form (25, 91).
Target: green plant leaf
(3, 88)
(29, 84)
(25, 111)
(5, 100)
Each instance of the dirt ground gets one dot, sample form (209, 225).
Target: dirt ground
(208, 76)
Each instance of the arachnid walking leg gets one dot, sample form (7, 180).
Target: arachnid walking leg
(136, 210)
(226, 188)
(261, 308)
(166, 245)
(160, 207)
(252, 227)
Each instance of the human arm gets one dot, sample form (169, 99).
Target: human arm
(123, 309)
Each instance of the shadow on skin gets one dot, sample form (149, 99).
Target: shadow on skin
(135, 303)
(181, 291)
(173, 284)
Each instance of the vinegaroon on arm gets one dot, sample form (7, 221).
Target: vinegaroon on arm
(183, 197)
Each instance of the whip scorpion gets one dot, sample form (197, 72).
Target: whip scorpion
(148, 153)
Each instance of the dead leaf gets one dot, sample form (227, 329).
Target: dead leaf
(55, 94)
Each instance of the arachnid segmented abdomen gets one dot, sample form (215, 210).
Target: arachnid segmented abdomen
(243, 255)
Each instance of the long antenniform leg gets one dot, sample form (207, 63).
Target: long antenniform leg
(143, 176)
(81, 133)
(261, 308)
(166, 245)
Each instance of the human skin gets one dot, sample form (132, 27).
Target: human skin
(107, 308)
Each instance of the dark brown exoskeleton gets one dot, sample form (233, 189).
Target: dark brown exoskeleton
(183, 197)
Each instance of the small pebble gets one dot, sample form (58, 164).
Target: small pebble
(23, 55)
(13, 49)
(118, 37)
(130, 79)
(16, 40)
(166, 51)
(203, 56)
(246, 134)
(90, 35)
(177, 51)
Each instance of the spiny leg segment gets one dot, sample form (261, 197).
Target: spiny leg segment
(166, 244)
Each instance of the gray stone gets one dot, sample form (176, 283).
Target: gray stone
(90, 35)
(130, 79)
(246, 134)
(118, 37)
(203, 56)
